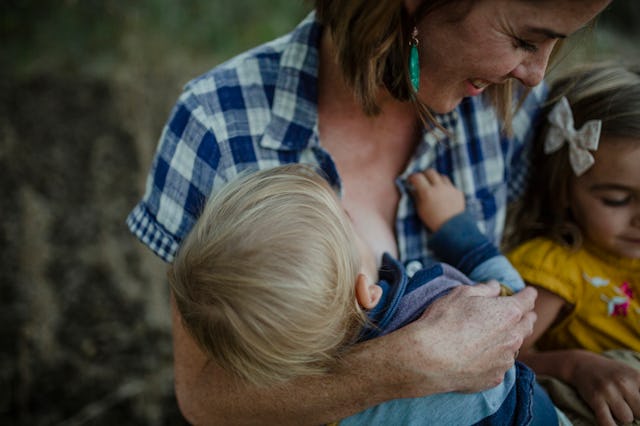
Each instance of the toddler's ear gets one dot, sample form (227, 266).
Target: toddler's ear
(368, 293)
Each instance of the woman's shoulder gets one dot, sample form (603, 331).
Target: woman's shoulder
(261, 66)
(252, 64)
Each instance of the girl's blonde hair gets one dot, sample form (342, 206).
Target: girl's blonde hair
(265, 281)
(372, 48)
(603, 91)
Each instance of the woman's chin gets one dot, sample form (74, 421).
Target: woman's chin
(444, 106)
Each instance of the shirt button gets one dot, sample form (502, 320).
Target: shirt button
(413, 267)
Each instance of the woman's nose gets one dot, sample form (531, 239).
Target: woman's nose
(532, 69)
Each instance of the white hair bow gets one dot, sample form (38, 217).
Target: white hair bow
(580, 141)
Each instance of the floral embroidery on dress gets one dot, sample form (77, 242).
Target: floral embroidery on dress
(595, 281)
(616, 306)
(626, 289)
(619, 305)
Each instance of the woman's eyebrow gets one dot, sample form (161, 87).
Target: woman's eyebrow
(546, 32)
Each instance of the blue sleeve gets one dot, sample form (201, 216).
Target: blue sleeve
(500, 269)
(460, 243)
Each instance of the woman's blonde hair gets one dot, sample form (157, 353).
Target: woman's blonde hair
(603, 91)
(372, 44)
(265, 281)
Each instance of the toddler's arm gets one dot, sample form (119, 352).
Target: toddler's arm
(456, 238)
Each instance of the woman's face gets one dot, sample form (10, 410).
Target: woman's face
(466, 46)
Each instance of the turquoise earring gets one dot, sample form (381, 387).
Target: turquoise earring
(414, 61)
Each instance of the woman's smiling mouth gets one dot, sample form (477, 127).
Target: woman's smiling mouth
(479, 83)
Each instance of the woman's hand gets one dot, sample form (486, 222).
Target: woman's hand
(611, 388)
(467, 340)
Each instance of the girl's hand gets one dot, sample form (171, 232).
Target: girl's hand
(611, 388)
(437, 200)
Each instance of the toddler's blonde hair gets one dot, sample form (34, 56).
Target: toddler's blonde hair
(265, 281)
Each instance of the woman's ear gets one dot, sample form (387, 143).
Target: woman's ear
(368, 293)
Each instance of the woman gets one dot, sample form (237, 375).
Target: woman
(338, 92)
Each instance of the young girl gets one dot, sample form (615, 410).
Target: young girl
(578, 227)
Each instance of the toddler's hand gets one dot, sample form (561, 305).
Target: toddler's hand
(437, 200)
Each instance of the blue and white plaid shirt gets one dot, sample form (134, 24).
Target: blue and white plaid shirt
(259, 110)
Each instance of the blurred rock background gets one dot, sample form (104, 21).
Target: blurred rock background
(85, 87)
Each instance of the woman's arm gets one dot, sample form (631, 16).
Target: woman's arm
(465, 341)
(207, 394)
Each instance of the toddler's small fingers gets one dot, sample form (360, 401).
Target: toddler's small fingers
(417, 181)
(433, 176)
(416, 176)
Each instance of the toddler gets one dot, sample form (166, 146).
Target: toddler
(274, 283)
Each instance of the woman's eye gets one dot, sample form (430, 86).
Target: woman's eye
(616, 202)
(525, 45)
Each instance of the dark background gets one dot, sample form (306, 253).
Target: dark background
(85, 87)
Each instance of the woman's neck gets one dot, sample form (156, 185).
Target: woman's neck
(331, 81)
(369, 151)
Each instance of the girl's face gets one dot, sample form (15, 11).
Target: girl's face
(605, 201)
(466, 46)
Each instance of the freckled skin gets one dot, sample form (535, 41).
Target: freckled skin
(487, 45)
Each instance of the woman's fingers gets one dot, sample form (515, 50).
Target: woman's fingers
(483, 332)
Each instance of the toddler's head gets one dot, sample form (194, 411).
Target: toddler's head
(265, 280)
(586, 173)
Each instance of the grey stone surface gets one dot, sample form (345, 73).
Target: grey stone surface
(85, 331)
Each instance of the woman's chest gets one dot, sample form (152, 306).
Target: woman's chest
(370, 196)
(369, 154)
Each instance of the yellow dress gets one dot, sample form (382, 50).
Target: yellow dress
(602, 288)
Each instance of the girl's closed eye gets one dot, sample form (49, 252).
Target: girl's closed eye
(613, 195)
(616, 202)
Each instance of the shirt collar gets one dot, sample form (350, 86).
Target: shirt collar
(294, 113)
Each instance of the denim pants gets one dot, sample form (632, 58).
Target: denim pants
(523, 403)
